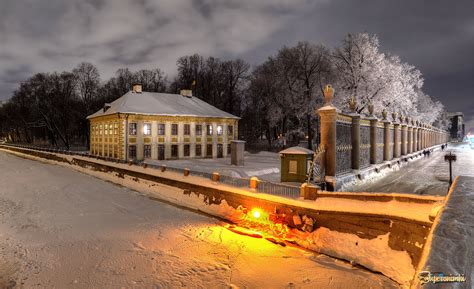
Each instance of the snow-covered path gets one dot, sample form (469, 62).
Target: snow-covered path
(428, 176)
(63, 229)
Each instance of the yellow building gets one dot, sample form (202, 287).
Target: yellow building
(141, 125)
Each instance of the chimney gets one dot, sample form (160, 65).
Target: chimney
(106, 106)
(137, 88)
(186, 92)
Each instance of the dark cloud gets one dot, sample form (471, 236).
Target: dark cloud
(45, 35)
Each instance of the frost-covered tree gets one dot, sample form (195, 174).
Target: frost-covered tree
(368, 75)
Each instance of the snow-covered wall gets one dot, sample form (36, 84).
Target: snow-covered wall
(383, 237)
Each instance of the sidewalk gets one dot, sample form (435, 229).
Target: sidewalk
(427, 176)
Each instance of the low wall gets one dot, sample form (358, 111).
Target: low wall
(450, 249)
(383, 232)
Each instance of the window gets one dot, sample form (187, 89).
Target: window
(220, 151)
(161, 129)
(186, 150)
(111, 129)
(106, 129)
(116, 128)
(100, 129)
(147, 129)
(174, 129)
(230, 130)
(132, 152)
(219, 130)
(209, 150)
(132, 129)
(111, 150)
(292, 167)
(116, 151)
(161, 152)
(174, 151)
(198, 130)
(147, 151)
(209, 129)
(198, 150)
(187, 129)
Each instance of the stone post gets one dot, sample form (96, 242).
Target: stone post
(404, 139)
(328, 116)
(415, 139)
(386, 140)
(355, 136)
(373, 140)
(396, 151)
(237, 152)
(418, 145)
(409, 138)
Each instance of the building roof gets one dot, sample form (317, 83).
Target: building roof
(297, 151)
(152, 103)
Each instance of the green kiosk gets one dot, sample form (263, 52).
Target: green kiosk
(295, 164)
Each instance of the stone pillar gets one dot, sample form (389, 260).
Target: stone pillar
(386, 140)
(328, 116)
(396, 150)
(355, 136)
(418, 145)
(373, 140)
(409, 139)
(415, 139)
(237, 152)
(404, 139)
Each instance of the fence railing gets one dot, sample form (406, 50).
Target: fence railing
(266, 187)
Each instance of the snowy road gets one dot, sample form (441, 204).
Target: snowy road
(428, 176)
(63, 229)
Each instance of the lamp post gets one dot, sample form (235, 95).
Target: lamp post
(450, 158)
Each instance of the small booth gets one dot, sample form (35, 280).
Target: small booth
(295, 164)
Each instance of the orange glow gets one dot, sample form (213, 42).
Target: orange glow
(256, 214)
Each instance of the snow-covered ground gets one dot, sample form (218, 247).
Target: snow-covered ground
(264, 165)
(63, 229)
(426, 176)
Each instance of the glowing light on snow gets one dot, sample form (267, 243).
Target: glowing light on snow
(256, 214)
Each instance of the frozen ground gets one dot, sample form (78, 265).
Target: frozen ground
(427, 176)
(63, 229)
(264, 165)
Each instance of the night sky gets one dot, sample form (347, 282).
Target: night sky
(47, 35)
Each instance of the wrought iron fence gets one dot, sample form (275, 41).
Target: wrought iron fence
(278, 189)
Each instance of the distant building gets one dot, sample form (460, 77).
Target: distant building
(161, 126)
(457, 125)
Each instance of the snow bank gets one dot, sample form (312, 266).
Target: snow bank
(374, 252)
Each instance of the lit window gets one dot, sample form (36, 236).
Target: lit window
(209, 129)
(147, 128)
(106, 130)
(116, 128)
(110, 129)
(132, 129)
(219, 130)
(174, 129)
(100, 130)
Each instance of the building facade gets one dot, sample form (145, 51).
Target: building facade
(142, 125)
(457, 125)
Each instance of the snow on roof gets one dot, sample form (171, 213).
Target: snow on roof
(153, 103)
(297, 151)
